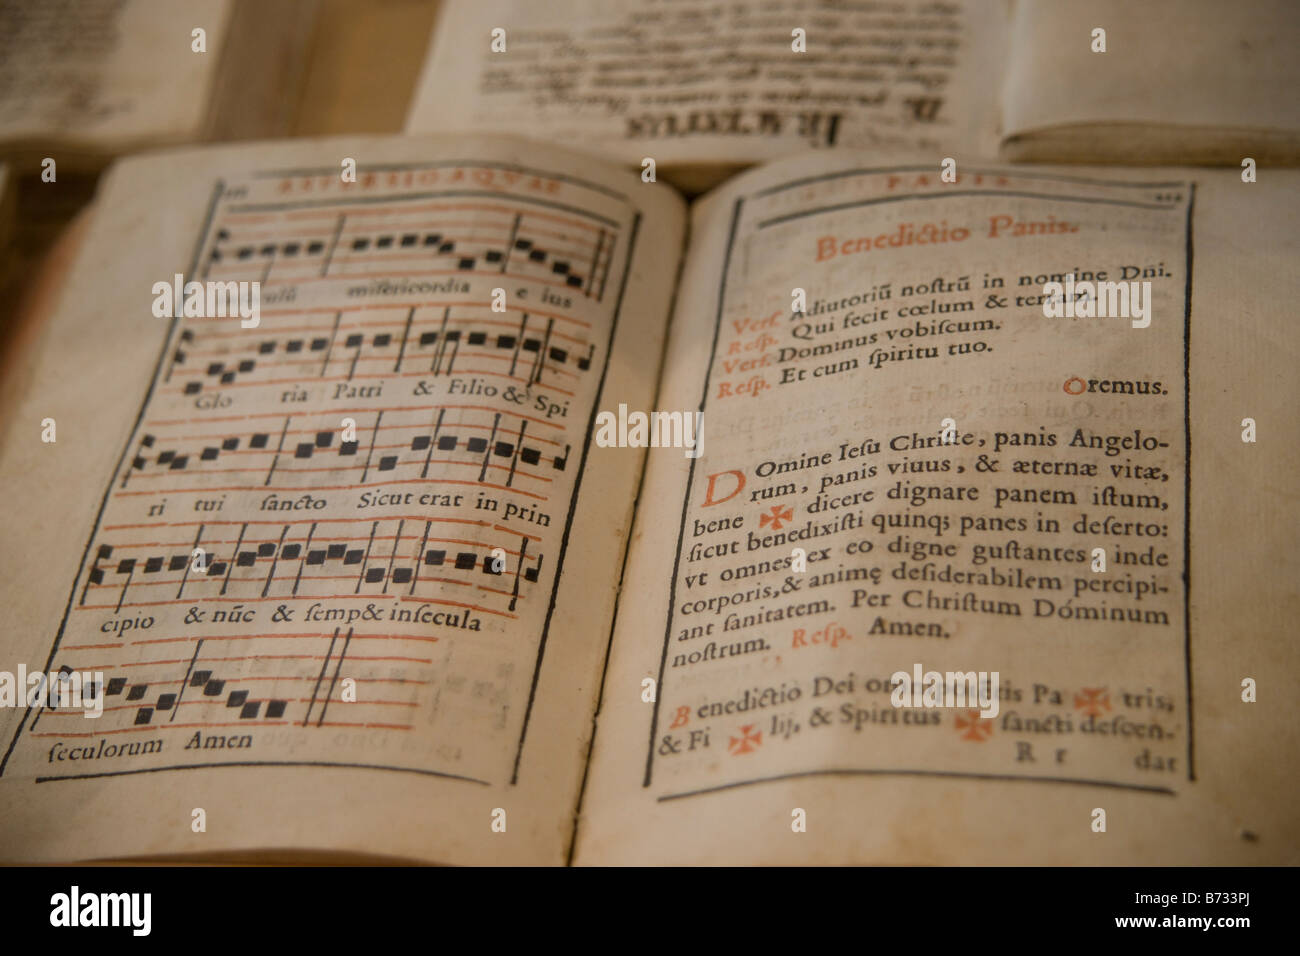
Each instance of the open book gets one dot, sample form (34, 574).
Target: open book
(371, 558)
(84, 80)
(706, 88)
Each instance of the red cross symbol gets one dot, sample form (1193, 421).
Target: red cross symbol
(747, 742)
(976, 727)
(777, 516)
(1092, 701)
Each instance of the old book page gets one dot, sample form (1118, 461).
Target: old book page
(340, 568)
(949, 463)
(84, 80)
(1149, 98)
(704, 88)
(107, 74)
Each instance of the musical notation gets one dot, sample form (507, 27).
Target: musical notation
(201, 682)
(434, 342)
(309, 559)
(564, 250)
(447, 444)
(214, 694)
(369, 489)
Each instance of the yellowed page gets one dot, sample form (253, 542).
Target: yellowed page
(348, 575)
(105, 75)
(1180, 81)
(1119, 690)
(718, 85)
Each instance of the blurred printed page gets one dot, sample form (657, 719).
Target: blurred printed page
(719, 83)
(1165, 81)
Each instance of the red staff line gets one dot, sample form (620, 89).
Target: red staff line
(177, 544)
(278, 490)
(374, 557)
(260, 723)
(465, 232)
(192, 524)
(403, 274)
(315, 577)
(216, 700)
(179, 389)
(305, 471)
(394, 208)
(322, 538)
(401, 304)
(492, 356)
(244, 679)
(452, 230)
(129, 730)
(459, 324)
(423, 410)
(310, 597)
(248, 657)
(259, 637)
(310, 432)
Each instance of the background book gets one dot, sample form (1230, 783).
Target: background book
(706, 89)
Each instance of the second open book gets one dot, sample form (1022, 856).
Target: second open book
(706, 89)
(350, 568)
